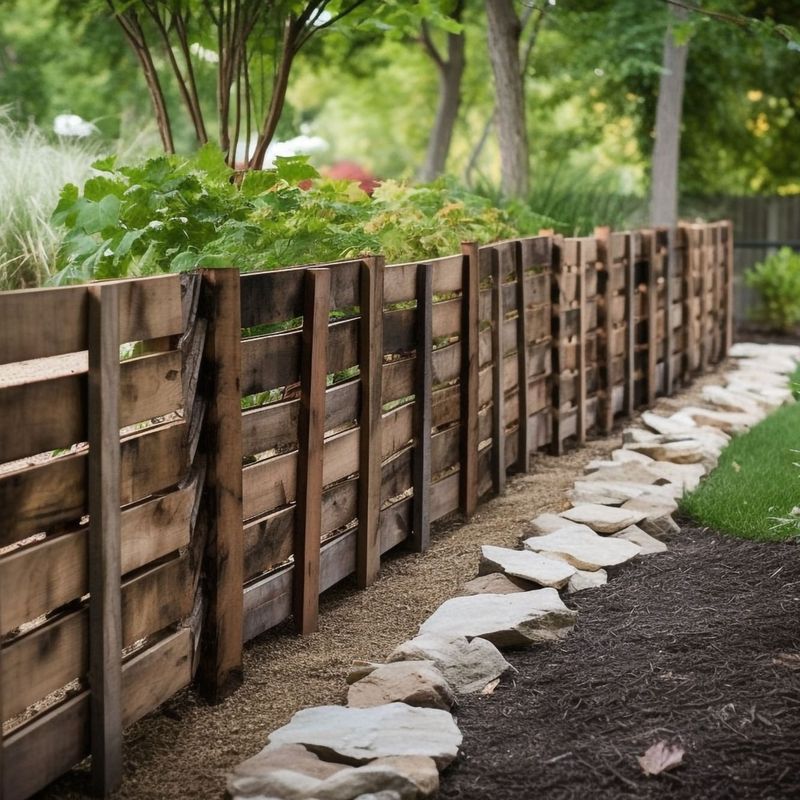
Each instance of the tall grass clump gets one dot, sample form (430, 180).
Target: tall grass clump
(32, 171)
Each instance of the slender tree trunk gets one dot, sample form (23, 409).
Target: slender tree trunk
(666, 148)
(450, 73)
(504, 34)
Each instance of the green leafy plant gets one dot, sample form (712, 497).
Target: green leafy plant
(777, 280)
(172, 214)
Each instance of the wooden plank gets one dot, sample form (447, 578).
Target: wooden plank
(468, 488)
(630, 323)
(31, 422)
(308, 528)
(272, 361)
(105, 566)
(220, 669)
(278, 295)
(729, 277)
(37, 497)
(53, 742)
(583, 262)
(651, 255)
(606, 414)
(444, 496)
(523, 430)
(399, 284)
(705, 311)
(419, 538)
(498, 395)
(399, 334)
(3, 671)
(368, 555)
(556, 268)
(38, 323)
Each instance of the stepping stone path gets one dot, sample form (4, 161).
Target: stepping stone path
(397, 731)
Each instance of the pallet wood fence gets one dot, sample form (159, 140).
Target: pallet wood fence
(271, 434)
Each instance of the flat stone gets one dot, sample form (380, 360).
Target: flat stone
(360, 669)
(417, 683)
(494, 583)
(584, 493)
(524, 564)
(638, 436)
(384, 795)
(755, 379)
(600, 463)
(422, 771)
(659, 516)
(622, 491)
(649, 545)
(686, 451)
(548, 523)
(758, 350)
(280, 783)
(505, 620)
(369, 780)
(623, 456)
(770, 363)
(359, 735)
(685, 476)
(585, 579)
(720, 396)
(602, 519)
(726, 421)
(665, 424)
(255, 775)
(584, 550)
(467, 665)
(631, 472)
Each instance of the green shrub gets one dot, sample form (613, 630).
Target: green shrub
(777, 280)
(172, 213)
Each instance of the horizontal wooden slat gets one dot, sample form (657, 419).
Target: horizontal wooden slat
(50, 414)
(56, 740)
(445, 449)
(38, 323)
(34, 498)
(45, 575)
(56, 653)
(272, 482)
(272, 361)
(277, 295)
(399, 327)
(275, 425)
(444, 496)
(399, 282)
(398, 376)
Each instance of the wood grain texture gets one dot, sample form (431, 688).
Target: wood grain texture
(368, 556)
(220, 670)
(38, 323)
(523, 410)
(421, 478)
(105, 566)
(630, 324)
(606, 412)
(308, 526)
(556, 268)
(498, 393)
(650, 250)
(584, 261)
(669, 322)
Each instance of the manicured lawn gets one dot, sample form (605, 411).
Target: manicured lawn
(757, 482)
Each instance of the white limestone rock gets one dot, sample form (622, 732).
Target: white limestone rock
(506, 620)
(369, 780)
(494, 583)
(648, 544)
(359, 735)
(584, 550)
(524, 564)
(422, 771)
(665, 424)
(548, 523)
(727, 421)
(659, 515)
(467, 665)
(584, 579)
(626, 456)
(725, 398)
(686, 451)
(602, 519)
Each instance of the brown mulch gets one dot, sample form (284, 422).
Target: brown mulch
(699, 647)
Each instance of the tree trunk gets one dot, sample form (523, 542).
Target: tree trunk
(504, 35)
(450, 74)
(666, 148)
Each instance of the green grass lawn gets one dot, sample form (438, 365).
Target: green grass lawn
(756, 483)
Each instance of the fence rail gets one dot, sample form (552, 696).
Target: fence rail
(280, 431)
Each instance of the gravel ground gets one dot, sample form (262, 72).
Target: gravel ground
(184, 749)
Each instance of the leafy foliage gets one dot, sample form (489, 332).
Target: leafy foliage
(172, 214)
(777, 280)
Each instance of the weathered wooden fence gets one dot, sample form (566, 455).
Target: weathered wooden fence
(377, 399)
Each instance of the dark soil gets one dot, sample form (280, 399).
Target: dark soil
(699, 647)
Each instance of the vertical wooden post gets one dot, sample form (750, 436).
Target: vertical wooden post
(705, 336)
(3, 771)
(220, 669)
(498, 394)
(668, 268)
(630, 324)
(605, 414)
(423, 379)
(689, 263)
(652, 316)
(311, 429)
(368, 551)
(580, 422)
(557, 333)
(729, 273)
(523, 391)
(105, 615)
(470, 288)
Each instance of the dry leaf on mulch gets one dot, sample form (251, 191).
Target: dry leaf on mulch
(660, 757)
